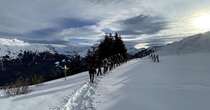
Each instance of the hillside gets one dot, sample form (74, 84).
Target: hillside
(169, 85)
(46, 96)
(179, 82)
(193, 44)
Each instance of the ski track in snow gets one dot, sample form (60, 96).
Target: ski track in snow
(83, 98)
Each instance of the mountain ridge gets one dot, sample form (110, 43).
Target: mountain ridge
(199, 43)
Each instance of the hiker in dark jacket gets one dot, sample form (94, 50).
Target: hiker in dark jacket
(99, 65)
(157, 58)
(91, 73)
(92, 67)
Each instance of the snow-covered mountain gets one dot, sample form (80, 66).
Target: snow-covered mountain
(82, 50)
(70, 49)
(13, 47)
(193, 44)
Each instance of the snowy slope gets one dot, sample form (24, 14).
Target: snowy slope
(47, 96)
(194, 44)
(176, 83)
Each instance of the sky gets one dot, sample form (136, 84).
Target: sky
(84, 22)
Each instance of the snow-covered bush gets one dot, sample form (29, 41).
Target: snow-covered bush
(19, 87)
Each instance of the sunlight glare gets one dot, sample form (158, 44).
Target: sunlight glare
(202, 22)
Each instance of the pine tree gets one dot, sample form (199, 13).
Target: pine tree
(111, 45)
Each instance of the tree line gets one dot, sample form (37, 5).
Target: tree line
(38, 67)
(34, 68)
(110, 53)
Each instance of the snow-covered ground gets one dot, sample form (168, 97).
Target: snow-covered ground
(181, 81)
(47, 96)
(176, 83)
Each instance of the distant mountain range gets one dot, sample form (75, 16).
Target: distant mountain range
(195, 43)
(70, 50)
(13, 47)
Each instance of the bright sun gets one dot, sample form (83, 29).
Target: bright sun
(202, 22)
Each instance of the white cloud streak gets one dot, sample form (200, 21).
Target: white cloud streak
(25, 16)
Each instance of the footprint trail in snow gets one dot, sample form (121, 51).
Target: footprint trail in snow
(82, 99)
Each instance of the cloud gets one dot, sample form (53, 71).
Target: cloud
(87, 32)
(85, 21)
(61, 28)
(13, 42)
(60, 20)
(141, 24)
(75, 22)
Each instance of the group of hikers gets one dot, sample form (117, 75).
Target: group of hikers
(99, 67)
(155, 57)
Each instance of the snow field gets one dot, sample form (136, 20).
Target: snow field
(51, 95)
(176, 83)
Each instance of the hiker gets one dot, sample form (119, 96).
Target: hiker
(112, 60)
(92, 67)
(105, 65)
(117, 60)
(91, 73)
(109, 64)
(99, 72)
(152, 56)
(157, 58)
